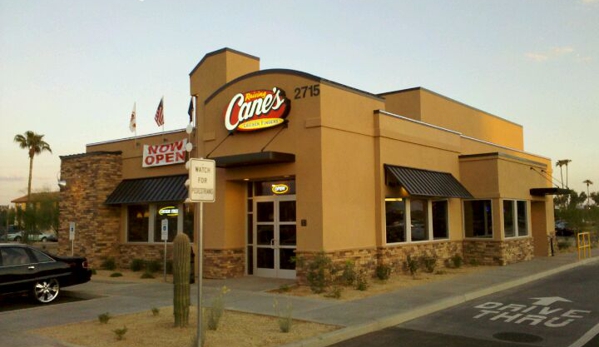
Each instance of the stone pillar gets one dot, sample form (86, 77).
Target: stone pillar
(90, 178)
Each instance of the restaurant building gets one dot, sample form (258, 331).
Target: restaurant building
(306, 165)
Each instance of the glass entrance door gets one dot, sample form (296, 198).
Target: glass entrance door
(275, 236)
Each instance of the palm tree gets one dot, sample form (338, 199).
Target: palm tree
(561, 163)
(35, 144)
(588, 183)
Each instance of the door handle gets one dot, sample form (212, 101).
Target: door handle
(31, 267)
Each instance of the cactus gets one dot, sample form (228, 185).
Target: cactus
(181, 268)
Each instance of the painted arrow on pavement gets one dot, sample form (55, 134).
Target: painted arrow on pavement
(549, 300)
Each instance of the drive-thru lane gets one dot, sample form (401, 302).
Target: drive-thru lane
(561, 310)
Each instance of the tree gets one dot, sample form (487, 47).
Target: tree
(588, 183)
(561, 163)
(35, 145)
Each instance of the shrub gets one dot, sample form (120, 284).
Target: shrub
(104, 317)
(284, 319)
(215, 312)
(412, 265)
(383, 272)
(155, 311)
(457, 261)
(319, 273)
(429, 263)
(348, 276)
(335, 292)
(361, 281)
(116, 274)
(147, 274)
(109, 264)
(120, 333)
(153, 266)
(137, 265)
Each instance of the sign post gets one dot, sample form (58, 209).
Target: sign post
(202, 188)
(72, 235)
(164, 237)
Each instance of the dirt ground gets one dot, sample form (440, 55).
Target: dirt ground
(236, 328)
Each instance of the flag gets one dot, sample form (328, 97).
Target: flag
(190, 110)
(159, 117)
(133, 122)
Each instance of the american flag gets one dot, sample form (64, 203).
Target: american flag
(159, 117)
(133, 121)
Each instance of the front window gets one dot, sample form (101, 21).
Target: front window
(144, 222)
(413, 219)
(138, 223)
(167, 215)
(440, 220)
(395, 211)
(419, 219)
(478, 218)
(508, 218)
(515, 218)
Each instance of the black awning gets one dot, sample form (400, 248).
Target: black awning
(249, 159)
(420, 182)
(145, 190)
(549, 191)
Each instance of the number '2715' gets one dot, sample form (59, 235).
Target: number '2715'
(307, 91)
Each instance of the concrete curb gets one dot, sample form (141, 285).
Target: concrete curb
(389, 321)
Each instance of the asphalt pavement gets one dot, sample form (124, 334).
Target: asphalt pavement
(250, 294)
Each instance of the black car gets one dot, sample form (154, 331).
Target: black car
(24, 269)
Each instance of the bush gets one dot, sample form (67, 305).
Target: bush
(383, 272)
(361, 281)
(348, 276)
(104, 317)
(412, 265)
(335, 292)
(116, 274)
(153, 266)
(137, 265)
(155, 311)
(429, 263)
(285, 320)
(109, 264)
(457, 261)
(215, 312)
(120, 333)
(147, 274)
(319, 273)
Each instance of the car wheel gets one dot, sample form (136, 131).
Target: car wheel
(44, 239)
(18, 238)
(45, 291)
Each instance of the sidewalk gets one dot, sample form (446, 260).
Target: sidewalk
(249, 294)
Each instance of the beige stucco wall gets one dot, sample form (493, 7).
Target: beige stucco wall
(430, 107)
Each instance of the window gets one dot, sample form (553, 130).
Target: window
(170, 214)
(440, 220)
(395, 212)
(515, 218)
(478, 218)
(425, 219)
(522, 218)
(138, 223)
(509, 228)
(419, 219)
(144, 222)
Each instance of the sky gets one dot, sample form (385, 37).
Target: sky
(72, 70)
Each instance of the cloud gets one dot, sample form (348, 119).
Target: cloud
(590, 1)
(553, 53)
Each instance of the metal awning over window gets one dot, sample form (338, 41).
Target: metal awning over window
(427, 183)
(549, 191)
(147, 190)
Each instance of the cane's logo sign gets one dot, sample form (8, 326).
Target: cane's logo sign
(256, 110)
